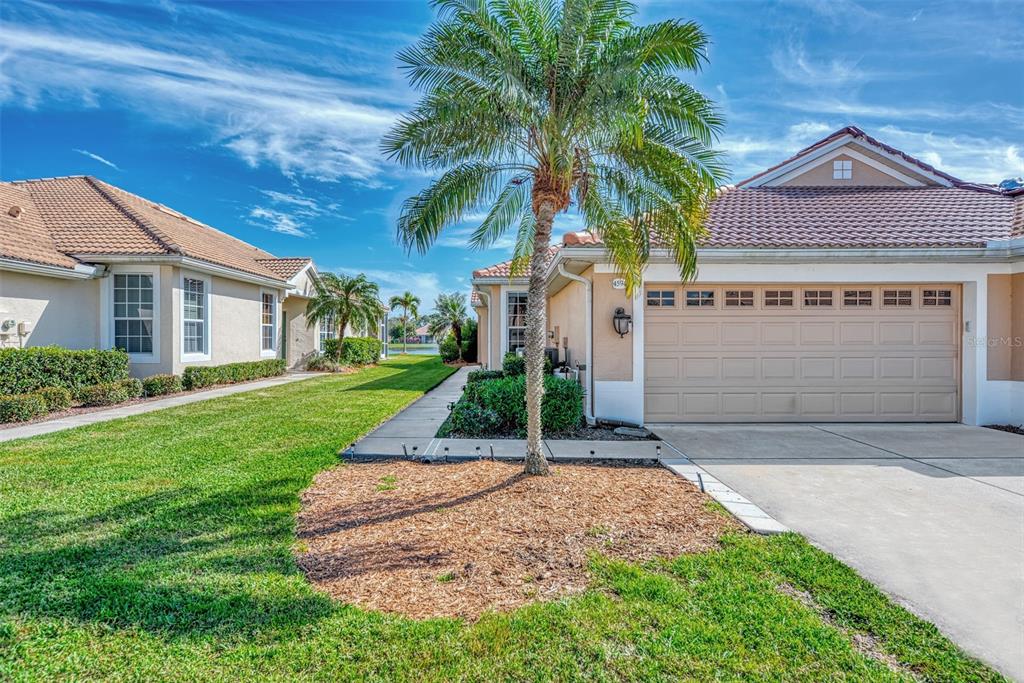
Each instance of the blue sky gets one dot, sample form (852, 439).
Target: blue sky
(263, 119)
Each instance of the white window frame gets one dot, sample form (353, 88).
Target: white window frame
(320, 338)
(504, 316)
(275, 324)
(107, 336)
(842, 169)
(207, 299)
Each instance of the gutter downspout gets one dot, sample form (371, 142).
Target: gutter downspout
(487, 300)
(588, 286)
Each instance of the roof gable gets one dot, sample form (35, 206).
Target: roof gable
(896, 167)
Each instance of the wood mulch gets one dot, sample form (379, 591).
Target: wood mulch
(459, 540)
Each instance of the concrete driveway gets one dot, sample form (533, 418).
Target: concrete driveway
(932, 514)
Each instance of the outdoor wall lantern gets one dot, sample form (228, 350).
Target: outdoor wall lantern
(622, 321)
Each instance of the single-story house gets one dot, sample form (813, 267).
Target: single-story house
(84, 264)
(423, 335)
(849, 283)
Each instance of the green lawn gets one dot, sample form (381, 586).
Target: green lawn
(160, 547)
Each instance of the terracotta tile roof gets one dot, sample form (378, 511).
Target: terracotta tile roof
(85, 216)
(851, 217)
(23, 235)
(504, 269)
(856, 133)
(475, 300)
(1017, 230)
(285, 267)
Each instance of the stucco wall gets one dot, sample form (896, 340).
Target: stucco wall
(567, 319)
(1006, 327)
(483, 333)
(62, 312)
(613, 355)
(863, 175)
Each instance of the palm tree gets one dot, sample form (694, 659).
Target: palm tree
(530, 106)
(449, 315)
(345, 300)
(409, 303)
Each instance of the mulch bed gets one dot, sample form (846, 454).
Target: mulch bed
(459, 540)
(1013, 429)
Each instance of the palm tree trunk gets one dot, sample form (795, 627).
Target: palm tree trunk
(536, 332)
(405, 331)
(457, 331)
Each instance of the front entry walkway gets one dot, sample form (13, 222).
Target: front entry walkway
(116, 412)
(932, 514)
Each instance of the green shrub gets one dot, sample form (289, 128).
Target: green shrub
(482, 375)
(514, 364)
(360, 350)
(448, 349)
(25, 370)
(161, 385)
(21, 407)
(505, 398)
(55, 398)
(319, 362)
(332, 349)
(201, 376)
(132, 386)
(106, 394)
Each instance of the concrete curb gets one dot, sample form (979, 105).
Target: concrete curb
(749, 514)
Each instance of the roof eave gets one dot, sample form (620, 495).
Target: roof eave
(79, 271)
(188, 262)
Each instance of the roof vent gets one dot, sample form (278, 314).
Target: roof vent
(14, 211)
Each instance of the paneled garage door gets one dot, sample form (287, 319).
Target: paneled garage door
(801, 353)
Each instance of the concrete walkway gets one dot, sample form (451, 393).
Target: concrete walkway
(50, 426)
(933, 514)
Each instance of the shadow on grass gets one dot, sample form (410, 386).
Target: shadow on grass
(177, 562)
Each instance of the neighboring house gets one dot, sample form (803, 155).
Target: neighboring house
(84, 264)
(423, 335)
(851, 282)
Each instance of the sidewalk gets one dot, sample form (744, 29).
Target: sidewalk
(50, 426)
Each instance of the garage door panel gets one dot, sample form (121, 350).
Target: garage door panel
(870, 362)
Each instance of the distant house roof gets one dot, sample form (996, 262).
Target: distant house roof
(504, 269)
(475, 300)
(66, 221)
(423, 330)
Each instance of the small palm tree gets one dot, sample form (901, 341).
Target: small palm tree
(345, 300)
(409, 303)
(530, 106)
(449, 316)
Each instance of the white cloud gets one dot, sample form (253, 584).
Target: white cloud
(276, 221)
(795, 66)
(304, 125)
(971, 158)
(749, 154)
(98, 158)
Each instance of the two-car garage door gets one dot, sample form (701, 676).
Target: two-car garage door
(801, 353)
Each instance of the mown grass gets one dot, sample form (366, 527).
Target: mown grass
(160, 547)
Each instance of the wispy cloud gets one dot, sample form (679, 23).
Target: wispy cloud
(972, 158)
(276, 221)
(304, 124)
(97, 157)
(993, 112)
(795, 66)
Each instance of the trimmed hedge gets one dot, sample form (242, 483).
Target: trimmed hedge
(201, 376)
(448, 349)
(161, 385)
(483, 375)
(111, 393)
(514, 364)
(353, 350)
(55, 398)
(25, 370)
(21, 407)
(498, 407)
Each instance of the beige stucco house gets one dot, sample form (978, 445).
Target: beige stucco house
(84, 264)
(850, 282)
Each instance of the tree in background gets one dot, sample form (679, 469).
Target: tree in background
(409, 303)
(529, 106)
(449, 316)
(346, 300)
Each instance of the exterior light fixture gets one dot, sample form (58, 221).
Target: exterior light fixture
(622, 321)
